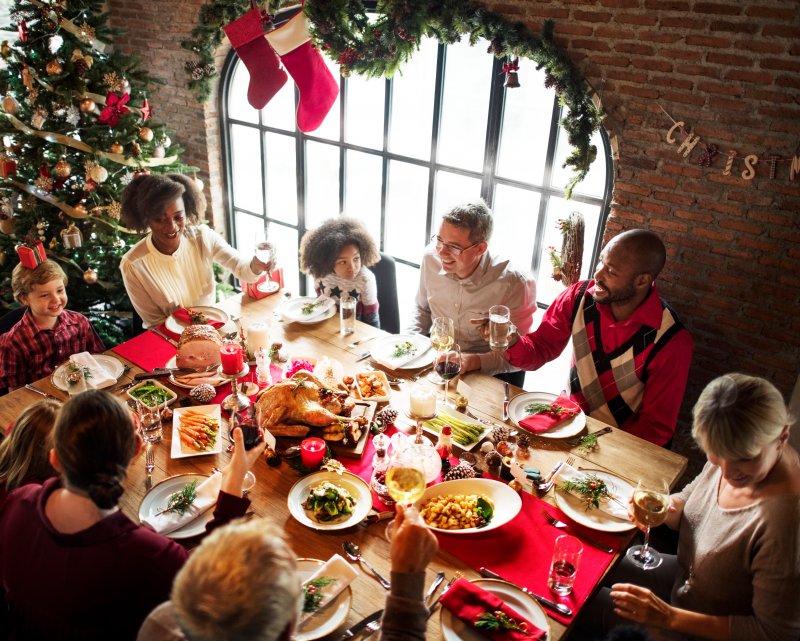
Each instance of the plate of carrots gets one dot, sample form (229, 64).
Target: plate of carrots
(196, 431)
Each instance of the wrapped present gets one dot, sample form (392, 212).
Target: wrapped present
(265, 285)
(8, 166)
(31, 254)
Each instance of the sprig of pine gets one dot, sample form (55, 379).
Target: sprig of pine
(309, 307)
(542, 408)
(404, 349)
(590, 488)
(312, 592)
(588, 443)
(498, 620)
(180, 502)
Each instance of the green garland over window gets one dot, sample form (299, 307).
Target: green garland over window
(378, 44)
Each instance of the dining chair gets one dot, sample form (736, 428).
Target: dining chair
(388, 307)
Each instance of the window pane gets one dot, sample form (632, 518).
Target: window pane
(281, 177)
(453, 189)
(238, 107)
(249, 230)
(407, 286)
(412, 103)
(595, 182)
(279, 112)
(465, 104)
(285, 238)
(406, 208)
(362, 196)
(322, 182)
(365, 102)
(516, 212)
(526, 127)
(329, 129)
(246, 161)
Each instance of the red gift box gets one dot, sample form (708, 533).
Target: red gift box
(32, 254)
(8, 167)
(259, 288)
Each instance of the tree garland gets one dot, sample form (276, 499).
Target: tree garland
(380, 43)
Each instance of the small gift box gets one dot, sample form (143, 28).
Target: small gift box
(8, 167)
(264, 286)
(31, 254)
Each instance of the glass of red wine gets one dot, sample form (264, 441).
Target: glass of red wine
(448, 366)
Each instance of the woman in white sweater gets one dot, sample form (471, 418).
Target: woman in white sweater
(172, 267)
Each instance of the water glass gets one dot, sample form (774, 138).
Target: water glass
(499, 327)
(150, 421)
(347, 315)
(564, 564)
(263, 374)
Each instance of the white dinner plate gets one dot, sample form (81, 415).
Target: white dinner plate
(507, 503)
(111, 365)
(594, 518)
(516, 412)
(292, 311)
(177, 327)
(172, 363)
(454, 629)
(156, 499)
(382, 349)
(328, 618)
(357, 487)
(182, 451)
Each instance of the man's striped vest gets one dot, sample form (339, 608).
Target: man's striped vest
(612, 385)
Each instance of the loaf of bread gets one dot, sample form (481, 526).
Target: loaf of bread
(198, 348)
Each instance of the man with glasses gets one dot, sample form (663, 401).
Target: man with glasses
(461, 279)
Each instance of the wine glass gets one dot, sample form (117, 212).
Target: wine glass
(266, 252)
(650, 505)
(405, 478)
(443, 335)
(448, 366)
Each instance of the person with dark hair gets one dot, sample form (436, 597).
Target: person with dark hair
(337, 254)
(72, 565)
(172, 267)
(24, 452)
(460, 278)
(631, 353)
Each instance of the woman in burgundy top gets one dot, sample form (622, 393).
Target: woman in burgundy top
(72, 565)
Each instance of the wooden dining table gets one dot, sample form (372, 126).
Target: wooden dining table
(620, 453)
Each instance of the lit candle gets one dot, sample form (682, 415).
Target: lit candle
(312, 451)
(422, 402)
(257, 337)
(230, 355)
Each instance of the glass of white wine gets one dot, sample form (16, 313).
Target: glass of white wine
(650, 505)
(266, 252)
(405, 478)
(443, 335)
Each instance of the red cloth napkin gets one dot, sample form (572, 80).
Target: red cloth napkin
(520, 551)
(147, 350)
(547, 420)
(184, 315)
(468, 602)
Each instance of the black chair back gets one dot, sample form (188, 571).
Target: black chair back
(9, 319)
(386, 279)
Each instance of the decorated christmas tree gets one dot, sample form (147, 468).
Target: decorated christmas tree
(76, 128)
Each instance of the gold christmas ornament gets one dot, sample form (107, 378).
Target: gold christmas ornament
(5, 49)
(27, 78)
(38, 118)
(53, 68)
(146, 134)
(87, 105)
(112, 81)
(10, 104)
(90, 276)
(116, 148)
(86, 32)
(98, 173)
(80, 208)
(2, 258)
(62, 168)
(159, 152)
(136, 149)
(7, 226)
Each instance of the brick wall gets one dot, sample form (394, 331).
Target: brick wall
(729, 69)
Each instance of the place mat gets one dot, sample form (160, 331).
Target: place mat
(147, 350)
(520, 551)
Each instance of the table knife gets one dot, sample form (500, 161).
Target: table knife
(171, 341)
(559, 607)
(30, 387)
(355, 629)
(506, 399)
(363, 356)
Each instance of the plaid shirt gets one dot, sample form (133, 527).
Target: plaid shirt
(28, 352)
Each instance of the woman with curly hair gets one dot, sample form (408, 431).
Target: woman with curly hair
(337, 255)
(172, 267)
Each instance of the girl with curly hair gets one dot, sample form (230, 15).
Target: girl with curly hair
(337, 254)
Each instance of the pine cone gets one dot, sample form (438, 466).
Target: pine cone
(460, 471)
(202, 393)
(500, 433)
(387, 415)
(493, 459)
(523, 442)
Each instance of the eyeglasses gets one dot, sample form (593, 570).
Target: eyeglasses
(455, 250)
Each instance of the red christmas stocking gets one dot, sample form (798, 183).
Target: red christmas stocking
(318, 88)
(266, 76)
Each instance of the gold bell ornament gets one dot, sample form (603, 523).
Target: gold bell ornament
(510, 69)
(71, 237)
(90, 276)
(62, 169)
(87, 105)
(116, 148)
(146, 134)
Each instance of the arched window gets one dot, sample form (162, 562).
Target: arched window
(398, 153)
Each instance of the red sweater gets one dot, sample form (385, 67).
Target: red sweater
(100, 583)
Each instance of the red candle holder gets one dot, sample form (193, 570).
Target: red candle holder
(231, 359)
(312, 451)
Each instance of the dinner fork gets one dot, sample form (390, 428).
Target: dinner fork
(374, 626)
(453, 579)
(149, 465)
(545, 487)
(417, 376)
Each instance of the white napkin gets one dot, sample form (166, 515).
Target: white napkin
(100, 375)
(613, 508)
(335, 567)
(387, 360)
(167, 522)
(322, 305)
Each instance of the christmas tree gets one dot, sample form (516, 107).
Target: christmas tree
(76, 128)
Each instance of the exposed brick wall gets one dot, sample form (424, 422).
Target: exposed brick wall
(729, 69)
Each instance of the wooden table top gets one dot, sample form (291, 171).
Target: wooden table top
(624, 455)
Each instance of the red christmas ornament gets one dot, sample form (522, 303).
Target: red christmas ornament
(22, 30)
(44, 171)
(115, 107)
(146, 110)
(89, 185)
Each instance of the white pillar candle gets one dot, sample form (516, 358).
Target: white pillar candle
(257, 337)
(422, 402)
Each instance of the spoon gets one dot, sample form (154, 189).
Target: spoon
(353, 552)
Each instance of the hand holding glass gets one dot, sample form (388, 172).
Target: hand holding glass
(405, 478)
(500, 327)
(266, 252)
(650, 508)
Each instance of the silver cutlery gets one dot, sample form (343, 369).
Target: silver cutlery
(420, 374)
(363, 356)
(353, 552)
(560, 607)
(564, 526)
(149, 465)
(573, 442)
(158, 332)
(549, 480)
(506, 400)
(434, 586)
(361, 341)
(353, 630)
(32, 388)
(432, 606)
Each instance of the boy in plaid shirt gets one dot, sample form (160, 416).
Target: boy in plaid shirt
(48, 334)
